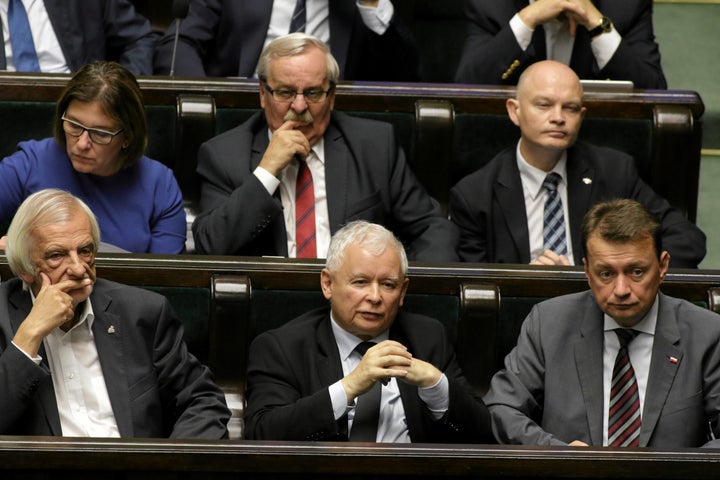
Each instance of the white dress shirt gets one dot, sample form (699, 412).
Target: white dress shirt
(532, 181)
(392, 424)
(640, 352)
(50, 55)
(559, 43)
(318, 18)
(286, 182)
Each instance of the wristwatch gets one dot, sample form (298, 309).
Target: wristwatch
(604, 26)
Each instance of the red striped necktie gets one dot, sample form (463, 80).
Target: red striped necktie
(624, 413)
(304, 213)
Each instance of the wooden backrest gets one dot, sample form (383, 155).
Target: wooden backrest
(447, 130)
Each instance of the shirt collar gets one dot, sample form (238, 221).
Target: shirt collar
(347, 342)
(532, 177)
(646, 325)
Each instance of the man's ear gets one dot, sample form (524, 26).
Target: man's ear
(326, 283)
(512, 106)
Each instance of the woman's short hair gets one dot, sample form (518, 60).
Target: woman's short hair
(113, 87)
(370, 236)
(295, 44)
(42, 208)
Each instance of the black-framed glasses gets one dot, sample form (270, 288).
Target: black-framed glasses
(75, 129)
(311, 95)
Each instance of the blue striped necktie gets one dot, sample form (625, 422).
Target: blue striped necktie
(23, 47)
(553, 217)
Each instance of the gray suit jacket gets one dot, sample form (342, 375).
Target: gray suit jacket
(551, 390)
(156, 387)
(366, 178)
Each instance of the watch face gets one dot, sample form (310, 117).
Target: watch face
(605, 24)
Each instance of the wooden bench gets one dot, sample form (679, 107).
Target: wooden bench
(224, 302)
(24, 458)
(447, 130)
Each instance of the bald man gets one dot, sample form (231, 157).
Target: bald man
(501, 208)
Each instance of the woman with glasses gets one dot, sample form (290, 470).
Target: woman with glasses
(97, 154)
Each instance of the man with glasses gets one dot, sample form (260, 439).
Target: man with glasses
(284, 181)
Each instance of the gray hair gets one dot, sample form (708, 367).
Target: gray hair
(295, 44)
(42, 208)
(372, 237)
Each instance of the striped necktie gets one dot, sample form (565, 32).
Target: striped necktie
(553, 217)
(624, 413)
(299, 18)
(305, 245)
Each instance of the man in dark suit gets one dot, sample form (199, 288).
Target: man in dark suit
(224, 38)
(89, 30)
(600, 40)
(86, 357)
(306, 380)
(559, 383)
(248, 195)
(499, 208)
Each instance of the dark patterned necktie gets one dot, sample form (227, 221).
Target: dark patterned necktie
(367, 408)
(299, 18)
(553, 217)
(624, 413)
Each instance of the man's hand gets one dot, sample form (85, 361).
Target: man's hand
(286, 142)
(422, 374)
(578, 443)
(384, 360)
(575, 12)
(551, 258)
(53, 307)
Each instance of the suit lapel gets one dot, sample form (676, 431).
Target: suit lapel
(589, 363)
(66, 29)
(260, 142)
(662, 370)
(22, 304)
(337, 159)
(254, 21)
(509, 193)
(580, 175)
(108, 333)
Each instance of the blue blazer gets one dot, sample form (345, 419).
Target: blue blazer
(90, 30)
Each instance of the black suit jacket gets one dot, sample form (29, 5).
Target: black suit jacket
(291, 368)
(90, 30)
(491, 48)
(224, 38)
(156, 387)
(367, 178)
(489, 207)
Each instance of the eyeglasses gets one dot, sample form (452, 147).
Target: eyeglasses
(313, 95)
(75, 129)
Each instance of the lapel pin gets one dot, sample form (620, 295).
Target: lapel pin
(111, 330)
(587, 181)
(673, 360)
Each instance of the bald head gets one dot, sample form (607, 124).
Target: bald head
(548, 109)
(549, 72)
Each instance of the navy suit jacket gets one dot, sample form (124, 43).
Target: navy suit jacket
(90, 30)
(224, 38)
(290, 369)
(157, 388)
(367, 178)
(491, 48)
(551, 390)
(489, 207)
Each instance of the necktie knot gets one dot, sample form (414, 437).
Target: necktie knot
(625, 336)
(363, 347)
(551, 182)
